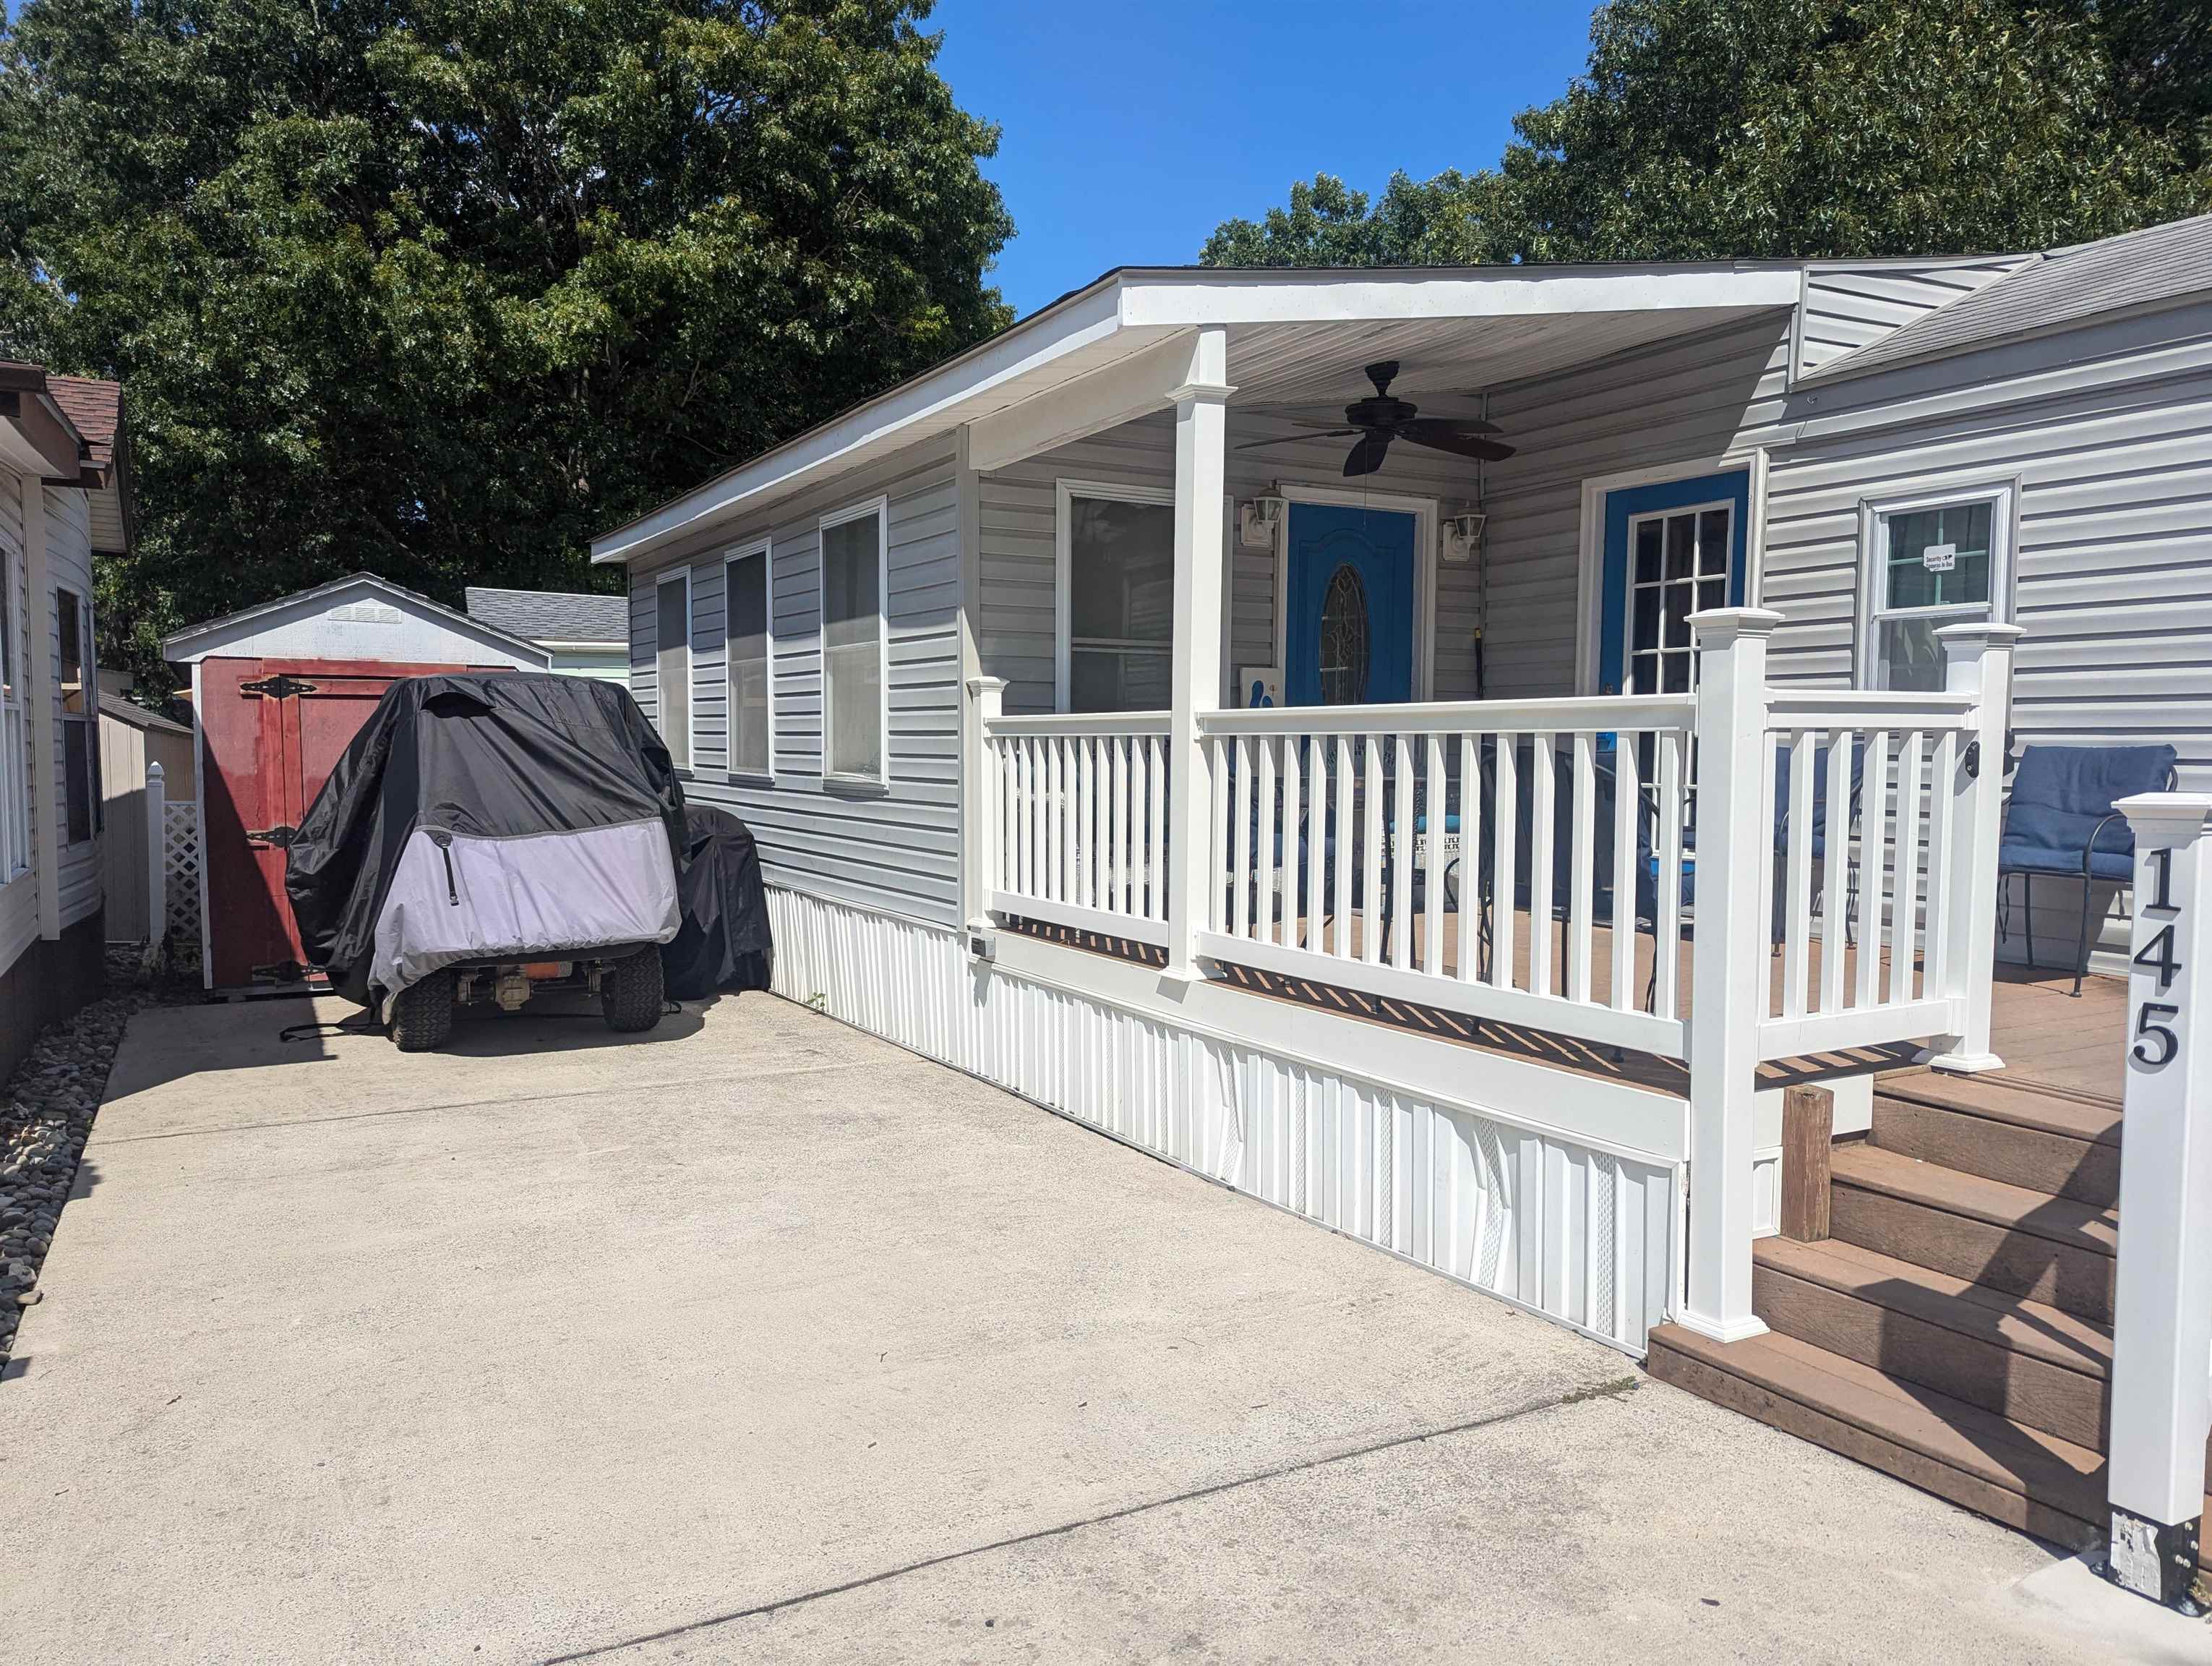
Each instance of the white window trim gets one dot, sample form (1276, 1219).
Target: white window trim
(765, 549)
(880, 507)
(15, 837)
(1424, 511)
(88, 677)
(1064, 492)
(1874, 513)
(681, 575)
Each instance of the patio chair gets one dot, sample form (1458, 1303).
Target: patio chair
(2060, 823)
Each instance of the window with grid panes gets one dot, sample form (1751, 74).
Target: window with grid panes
(1678, 566)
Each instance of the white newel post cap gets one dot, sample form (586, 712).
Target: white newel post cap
(986, 685)
(1719, 627)
(2164, 820)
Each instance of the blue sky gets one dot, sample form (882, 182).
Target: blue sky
(1132, 128)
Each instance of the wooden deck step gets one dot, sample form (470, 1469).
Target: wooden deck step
(2024, 1360)
(2066, 1147)
(2025, 1478)
(1986, 1231)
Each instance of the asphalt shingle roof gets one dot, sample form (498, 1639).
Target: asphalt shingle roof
(552, 616)
(2063, 287)
(96, 408)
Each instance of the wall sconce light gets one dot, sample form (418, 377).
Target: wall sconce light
(1463, 533)
(1257, 521)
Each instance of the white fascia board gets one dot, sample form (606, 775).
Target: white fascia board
(1081, 322)
(1130, 387)
(1185, 299)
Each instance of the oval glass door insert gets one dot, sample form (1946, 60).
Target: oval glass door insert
(1344, 639)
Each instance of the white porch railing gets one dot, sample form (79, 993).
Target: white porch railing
(1394, 848)
(1862, 791)
(1079, 814)
(1723, 878)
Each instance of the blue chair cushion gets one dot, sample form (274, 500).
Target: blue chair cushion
(2060, 794)
(1820, 795)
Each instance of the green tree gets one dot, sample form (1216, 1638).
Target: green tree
(439, 289)
(1450, 220)
(1712, 129)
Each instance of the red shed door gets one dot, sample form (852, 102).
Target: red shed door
(273, 730)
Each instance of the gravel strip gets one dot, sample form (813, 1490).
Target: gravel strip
(46, 1111)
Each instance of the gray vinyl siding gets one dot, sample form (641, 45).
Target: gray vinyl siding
(1685, 401)
(2106, 432)
(1848, 307)
(1015, 632)
(895, 850)
(19, 897)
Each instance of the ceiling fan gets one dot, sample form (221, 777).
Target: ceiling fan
(1380, 419)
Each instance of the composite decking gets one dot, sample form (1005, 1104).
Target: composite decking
(2048, 1038)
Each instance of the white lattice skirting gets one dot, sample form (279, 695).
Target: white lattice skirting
(1585, 1236)
(181, 862)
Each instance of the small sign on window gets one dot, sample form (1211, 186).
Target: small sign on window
(1940, 558)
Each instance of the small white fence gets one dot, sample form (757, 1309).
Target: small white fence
(173, 877)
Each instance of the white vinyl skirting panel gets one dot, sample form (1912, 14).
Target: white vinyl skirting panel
(1583, 1235)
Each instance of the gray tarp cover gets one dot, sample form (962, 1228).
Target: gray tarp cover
(487, 816)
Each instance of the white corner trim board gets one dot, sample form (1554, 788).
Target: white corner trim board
(1587, 1232)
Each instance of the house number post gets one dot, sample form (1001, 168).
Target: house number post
(2162, 1299)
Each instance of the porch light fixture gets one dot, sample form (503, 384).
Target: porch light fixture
(1461, 534)
(1257, 521)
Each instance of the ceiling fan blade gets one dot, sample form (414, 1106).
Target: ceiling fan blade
(1441, 413)
(1367, 456)
(1438, 435)
(1296, 439)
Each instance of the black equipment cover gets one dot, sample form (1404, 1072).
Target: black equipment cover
(725, 942)
(471, 759)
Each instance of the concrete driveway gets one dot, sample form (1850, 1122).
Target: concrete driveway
(757, 1338)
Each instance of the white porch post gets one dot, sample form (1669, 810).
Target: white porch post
(1735, 867)
(978, 808)
(1200, 478)
(1978, 660)
(2162, 1297)
(157, 844)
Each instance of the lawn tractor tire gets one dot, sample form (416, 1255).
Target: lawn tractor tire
(631, 992)
(422, 1014)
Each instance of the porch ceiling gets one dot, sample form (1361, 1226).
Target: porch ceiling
(1322, 363)
(1293, 337)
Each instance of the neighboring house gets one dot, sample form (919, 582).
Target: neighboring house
(132, 737)
(277, 692)
(1229, 935)
(587, 635)
(64, 496)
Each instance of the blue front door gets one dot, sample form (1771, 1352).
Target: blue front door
(1670, 550)
(1348, 633)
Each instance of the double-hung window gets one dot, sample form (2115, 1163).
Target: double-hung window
(1116, 597)
(79, 762)
(14, 747)
(1930, 562)
(749, 641)
(672, 664)
(855, 715)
